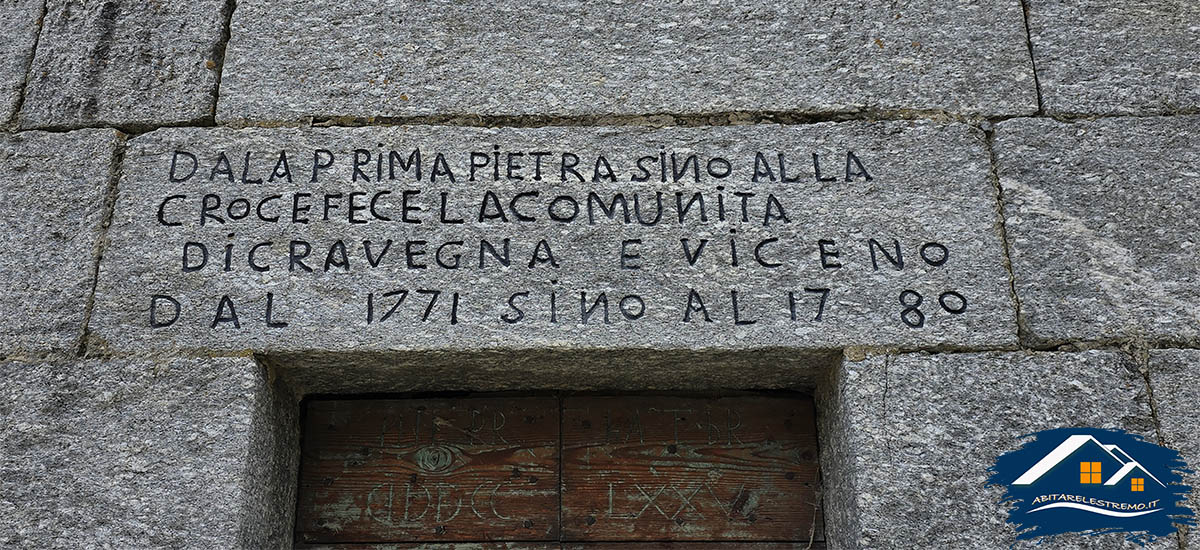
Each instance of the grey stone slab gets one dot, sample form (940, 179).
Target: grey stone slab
(19, 27)
(929, 183)
(1116, 57)
(555, 370)
(287, 61)
(1175, 379)
(1101, 218)
(182, 453)
(906, 441)
(126, 64)
(52, 194)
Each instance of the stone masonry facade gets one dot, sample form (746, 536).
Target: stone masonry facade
(954, 223)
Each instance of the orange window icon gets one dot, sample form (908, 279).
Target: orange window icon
(1089, 472)
(1139, 484)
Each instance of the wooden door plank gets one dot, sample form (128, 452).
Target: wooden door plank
(418, 470)
(438, 546)
(815, 545)
(689, 469)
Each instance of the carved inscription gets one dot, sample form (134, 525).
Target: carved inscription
(420, 470)
(397, 197)
(658, 468)
(741, 236)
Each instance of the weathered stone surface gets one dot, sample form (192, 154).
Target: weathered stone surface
(1101, 217)
(19, 27)
(906, 440)
(557, 369)
(125, 64)
(1175, 378)
(300, 59)
(929, 183)
(1116, 57)
(53, 193)
(145, 454)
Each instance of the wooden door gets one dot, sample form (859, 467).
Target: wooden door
(574, 472)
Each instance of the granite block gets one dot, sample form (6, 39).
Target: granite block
(171, 453)
(569, 249)
(293, 60)
(1117, 56)
(53, 188)
(907, 440)
(1101, 221)
(126, 64)
(19, 26)
(1175, 379)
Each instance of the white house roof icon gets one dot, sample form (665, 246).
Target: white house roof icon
(1074, 443)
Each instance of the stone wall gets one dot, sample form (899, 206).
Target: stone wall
(988, 229)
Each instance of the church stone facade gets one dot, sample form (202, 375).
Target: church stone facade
(949, 224)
